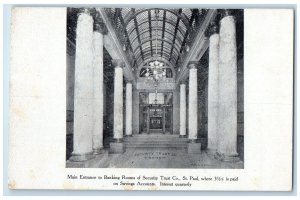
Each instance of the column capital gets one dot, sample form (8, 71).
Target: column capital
(118, 63)
(226, 13)
(213, 28)
(99, 25)
(129, 81)
(88, 11)
(183, 82)
(193, 65)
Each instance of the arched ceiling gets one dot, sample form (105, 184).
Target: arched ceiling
(156, 32)
(135, 29)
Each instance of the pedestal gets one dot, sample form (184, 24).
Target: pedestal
(81, 157)
(194, 147)
(117, 147)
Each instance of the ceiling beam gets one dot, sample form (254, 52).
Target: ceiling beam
(118, 10)
(150, 31)
(159, 39)
(175, 34)
(147, 53)
(132, 15)
(148, 56)
(160, 29)
(138, 33)
(172, 23)
(114, 39)
(126, 33)
(187, 33)
(146, 50)
(163, 34)
(200, 44)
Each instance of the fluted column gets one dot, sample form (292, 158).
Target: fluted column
(98, 85)
(213, 79)
(227, 145)
(182, 110)
(83, 89)
(128, 108)
(193, 102)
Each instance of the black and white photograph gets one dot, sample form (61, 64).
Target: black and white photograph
(149, 98)
(155, 88)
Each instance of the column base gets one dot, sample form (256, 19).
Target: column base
(227, 158)
(211, 152)
(98, 151)
(81, 157)
(182, 136)
(117, 140)
(194, 147)
(117, 147)
(92, 163)
(128, 135)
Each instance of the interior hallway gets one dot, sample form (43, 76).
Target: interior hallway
(155, 81)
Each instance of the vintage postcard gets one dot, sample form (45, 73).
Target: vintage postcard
(153, 98)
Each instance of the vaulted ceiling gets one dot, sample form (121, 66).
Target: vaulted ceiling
(161, 33)
(149, 33)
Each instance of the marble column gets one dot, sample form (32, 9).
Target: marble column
(213, 79)
(98, 85)
(118, 100)
(117, 145)
(128, 109)
(83, 89)
(148, 120)
(227, 143)
(171, 119)
(194, 145)
(182, 110)
(164, 119)
(193, 102)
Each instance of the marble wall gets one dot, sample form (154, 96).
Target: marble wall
(70, 103)
(240, 97)
(70, 93)
(176, 110)
(136, 111)
(240, 109)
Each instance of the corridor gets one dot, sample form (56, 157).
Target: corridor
(155, 87)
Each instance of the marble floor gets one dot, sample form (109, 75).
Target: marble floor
(158, 158)
(155, 151)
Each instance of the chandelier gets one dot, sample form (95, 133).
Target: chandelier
(155, 69)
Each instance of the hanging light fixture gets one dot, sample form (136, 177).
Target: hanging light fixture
(124, 47)
(156, 69)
